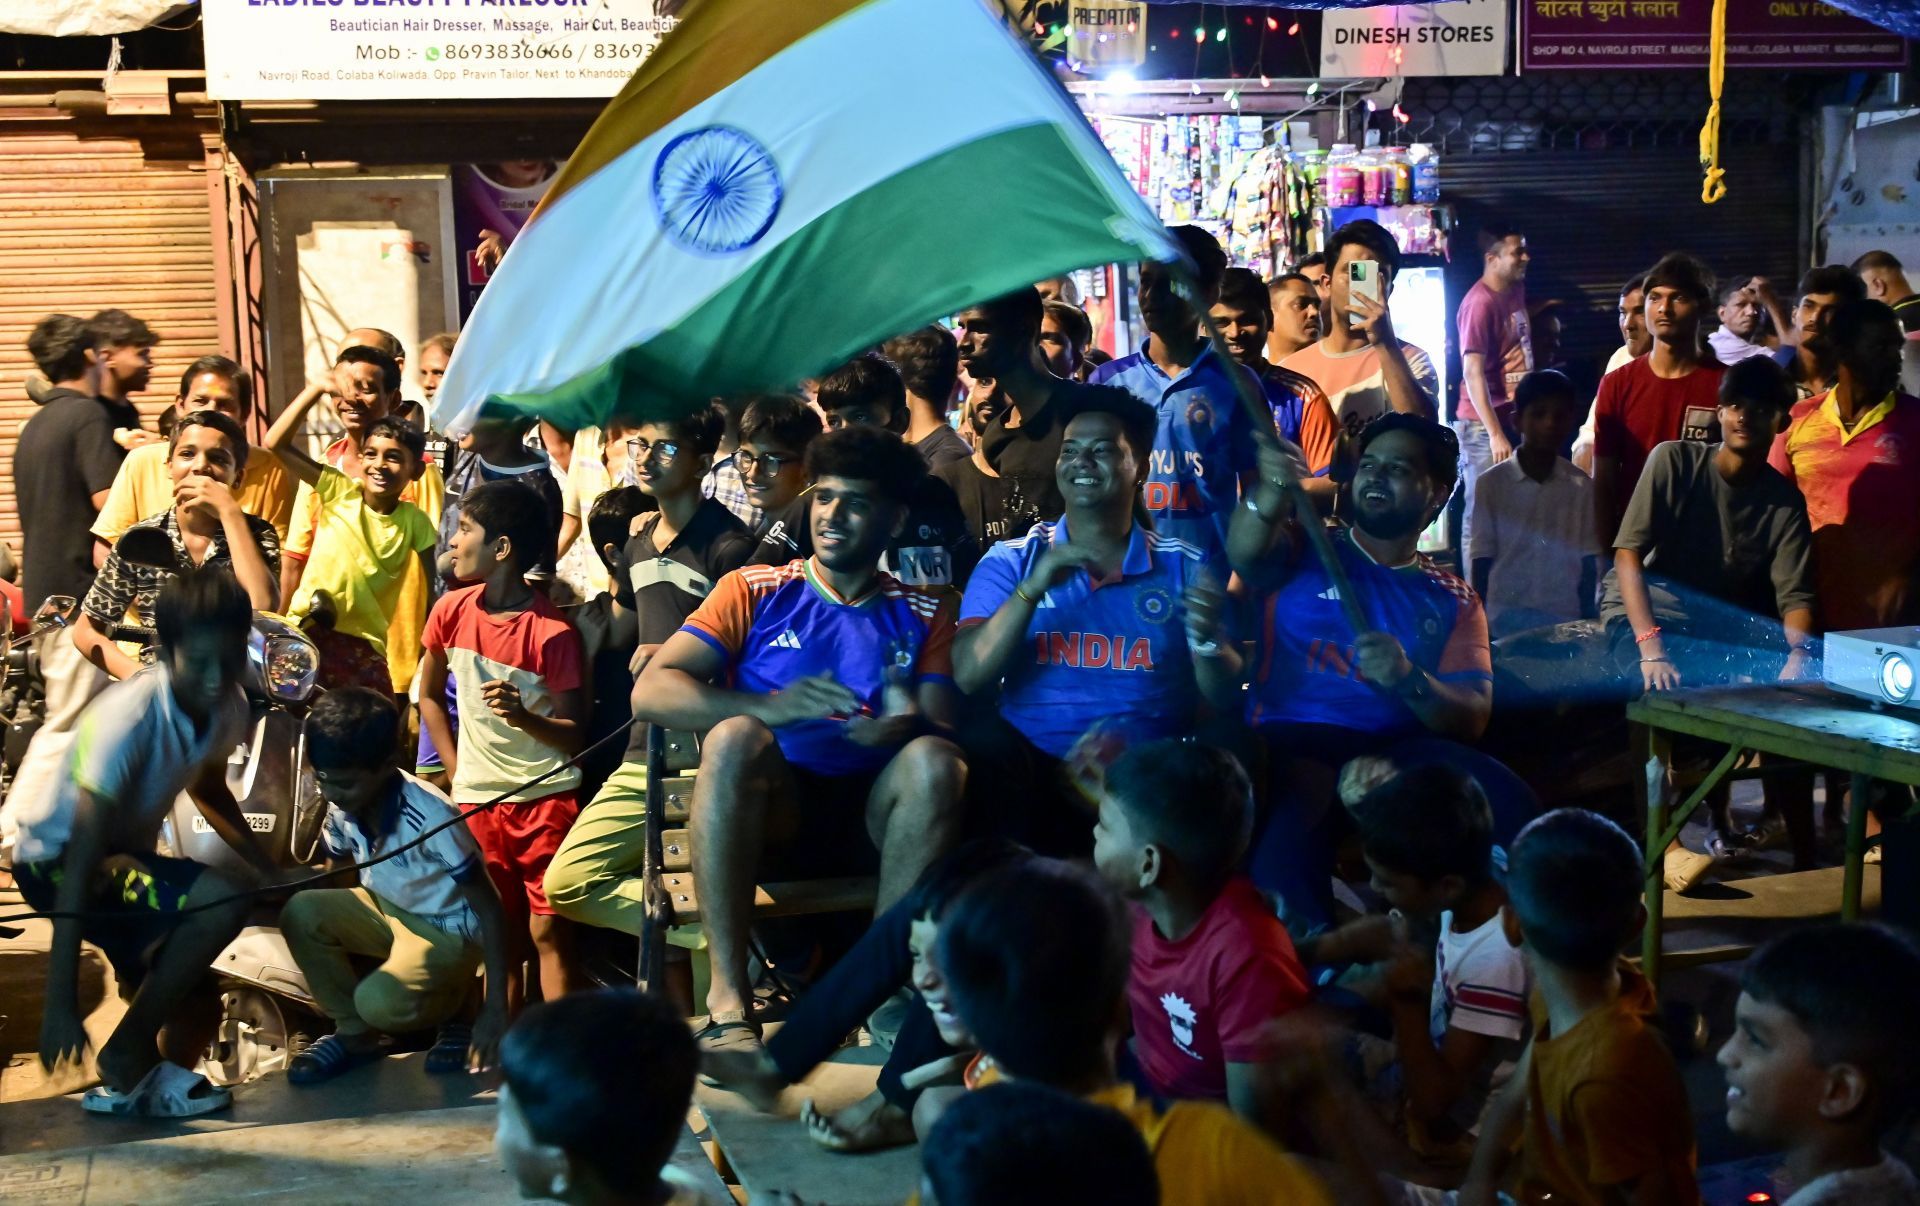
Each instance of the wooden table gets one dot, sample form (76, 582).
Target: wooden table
(1801, 726)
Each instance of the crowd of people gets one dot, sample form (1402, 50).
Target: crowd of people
(1128, 685)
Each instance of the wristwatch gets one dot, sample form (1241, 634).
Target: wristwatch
(1415, 686)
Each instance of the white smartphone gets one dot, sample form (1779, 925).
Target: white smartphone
(1363, 280)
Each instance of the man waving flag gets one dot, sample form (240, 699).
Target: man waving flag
(778, 187)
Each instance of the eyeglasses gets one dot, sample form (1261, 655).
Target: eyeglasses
(772, 462)
(640, 450)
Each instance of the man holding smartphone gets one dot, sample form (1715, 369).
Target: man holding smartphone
(1364, 368)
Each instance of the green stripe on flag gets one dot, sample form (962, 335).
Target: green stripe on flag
(890, 259)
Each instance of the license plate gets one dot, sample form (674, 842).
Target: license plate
(259, 822)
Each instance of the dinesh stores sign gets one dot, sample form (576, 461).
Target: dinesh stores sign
(1464, 37)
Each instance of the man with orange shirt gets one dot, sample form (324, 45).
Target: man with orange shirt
(1851, 451)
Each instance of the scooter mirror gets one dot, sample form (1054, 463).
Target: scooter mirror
(55, 611)
(149, 547)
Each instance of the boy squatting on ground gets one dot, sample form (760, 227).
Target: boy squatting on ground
(87, 846)
(429, 914)
(521, 687)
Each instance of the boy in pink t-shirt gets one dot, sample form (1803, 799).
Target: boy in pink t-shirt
(518, 672)
(1212, 965)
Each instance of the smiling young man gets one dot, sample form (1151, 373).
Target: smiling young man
(1319, 696)
(1671, 393)
(1204, 445)
(144, 486)
(364, 387)
(1301, 412)
(824, 752)
(1089, 621)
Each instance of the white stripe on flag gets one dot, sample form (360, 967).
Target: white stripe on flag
(841, 111)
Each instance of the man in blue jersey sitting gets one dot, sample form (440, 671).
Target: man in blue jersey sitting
(823, 687)
(1322, 693)
(1092, 619)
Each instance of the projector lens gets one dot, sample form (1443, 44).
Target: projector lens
(1896, 677)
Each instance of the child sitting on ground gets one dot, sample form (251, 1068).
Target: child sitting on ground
(1822, 1060)
(1035, 962)
(1459, 1009)
(517, 666)
(1534, 558)
(1212, 965)
(1023, 1144)
(429, 913)
(365, 539)
(595, 1096)
(1596, 1102)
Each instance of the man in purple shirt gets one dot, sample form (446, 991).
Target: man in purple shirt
(1496, 350)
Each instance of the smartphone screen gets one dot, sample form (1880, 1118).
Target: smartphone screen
(1363, 280)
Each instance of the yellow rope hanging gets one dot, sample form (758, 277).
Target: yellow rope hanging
(1714, 186)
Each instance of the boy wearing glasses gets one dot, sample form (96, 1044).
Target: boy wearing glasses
(673, 558)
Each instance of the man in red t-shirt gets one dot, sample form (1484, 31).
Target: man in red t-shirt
(1671, 393)
(1851, 453)
(1212, 965)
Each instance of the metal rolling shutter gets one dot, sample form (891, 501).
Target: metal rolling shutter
(94, 221)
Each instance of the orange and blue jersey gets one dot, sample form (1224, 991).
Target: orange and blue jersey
(777, 624)
(1112, 651)
(1305, 670)
(1203, 445)
(1302, 415)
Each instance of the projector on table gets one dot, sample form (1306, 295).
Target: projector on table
(1879, 664)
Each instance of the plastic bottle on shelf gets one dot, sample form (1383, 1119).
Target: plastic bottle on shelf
(1343, 176)
(1426, 173)
(1374, 177)
(1313, 164)
(1400, 176)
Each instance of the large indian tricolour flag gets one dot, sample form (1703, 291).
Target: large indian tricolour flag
(781, 185)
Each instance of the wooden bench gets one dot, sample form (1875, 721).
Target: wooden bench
(673, 761)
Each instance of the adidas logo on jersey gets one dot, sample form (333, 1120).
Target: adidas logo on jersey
(786, 640)
(1331, 593)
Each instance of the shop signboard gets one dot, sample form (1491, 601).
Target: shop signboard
(1804, 35)
(426, 49)
(1107, 33)
(1459, 37)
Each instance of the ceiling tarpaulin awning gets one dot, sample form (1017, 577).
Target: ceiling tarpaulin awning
(84, 18)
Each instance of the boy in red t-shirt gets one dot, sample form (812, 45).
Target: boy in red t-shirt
(518, 672)
(1212, 965)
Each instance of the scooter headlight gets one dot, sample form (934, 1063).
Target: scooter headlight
(284, 662)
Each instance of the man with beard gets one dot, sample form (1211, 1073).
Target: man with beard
(1301, 412)
(1090, 620)
(1821, 289)
(1205, 442)
(824, 752)
(996, 507)
(1323, 694)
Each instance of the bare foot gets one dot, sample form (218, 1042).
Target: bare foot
(751, 1074)
(868, 1125)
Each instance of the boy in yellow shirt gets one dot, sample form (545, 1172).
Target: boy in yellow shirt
(365, 388)
(144, 488)
(366, 541)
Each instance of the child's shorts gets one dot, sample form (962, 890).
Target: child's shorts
(130, 905)
(427, 760)
(518, 840)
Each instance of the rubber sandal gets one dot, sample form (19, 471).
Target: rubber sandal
(326, 1059)
(1684, 870)
(727, 1032)
(450, 1047)
(166, 1091)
